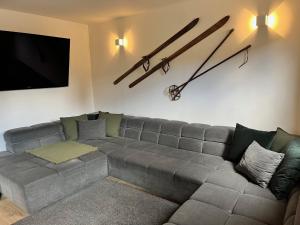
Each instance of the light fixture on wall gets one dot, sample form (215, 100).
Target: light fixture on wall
(266, 20)
(120, 42)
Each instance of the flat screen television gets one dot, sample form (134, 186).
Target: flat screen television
(30, 61)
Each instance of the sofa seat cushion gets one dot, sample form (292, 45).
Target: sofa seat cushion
(192, 173)
(122, 141)
(25, 172)
(141, 145)
(210, 161)
(160, 149)
(116, 159)
(261, 209)
(228, 179)
(253, 189)
(207, 160)
(10, 170)
(223, 198)
(96, 166)
(242, 220)
(165, 168)
(95, 143)
(13, 159)
(29, 185)
(293, 206)
(198, 213)
(226, 166)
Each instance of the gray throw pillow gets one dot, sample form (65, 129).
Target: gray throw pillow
(91, 129)
(259, 164)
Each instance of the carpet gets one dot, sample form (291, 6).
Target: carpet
(105, 203)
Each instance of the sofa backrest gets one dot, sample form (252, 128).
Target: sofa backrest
(202, 138)
(292, 213)
(21, 139)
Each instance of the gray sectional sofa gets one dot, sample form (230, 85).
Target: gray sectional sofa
(171, 159)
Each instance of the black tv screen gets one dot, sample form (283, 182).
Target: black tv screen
(29, 61)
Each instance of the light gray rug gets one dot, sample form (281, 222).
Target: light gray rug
(105, 203)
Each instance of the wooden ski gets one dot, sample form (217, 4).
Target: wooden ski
(145, 61)
(165, 63)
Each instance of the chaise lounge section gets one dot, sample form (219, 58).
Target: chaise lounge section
(175, 160)
(33, 183)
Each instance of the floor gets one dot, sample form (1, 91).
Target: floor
(10, 213)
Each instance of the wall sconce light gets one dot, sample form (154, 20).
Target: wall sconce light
(265, 20)
(119, 42)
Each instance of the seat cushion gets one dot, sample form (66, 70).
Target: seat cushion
(242, 220)
(293, 205)
(254, 189)
(198, 213)
(228, 179)
(261, 209)
(141, 145)
(122, 141)
(221, 197)
(192, 173)
(29, 185)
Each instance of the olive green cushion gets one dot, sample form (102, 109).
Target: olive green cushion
(280, 140)
(113, 122)
(62, 151)
(288, 173)
(70, 126)
(243, 137)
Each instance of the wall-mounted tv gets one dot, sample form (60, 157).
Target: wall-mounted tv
(29, 61)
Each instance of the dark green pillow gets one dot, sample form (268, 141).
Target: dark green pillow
(70, 126)
(280, 140)
(93, 116)
(288, 173)
(113, 122)
(243, 137)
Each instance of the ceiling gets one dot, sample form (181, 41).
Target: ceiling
(85, 11)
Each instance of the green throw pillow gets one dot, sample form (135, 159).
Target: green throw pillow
(280, 140)
(243, 137)
(113, 122)
(288, 173)
(70, 126)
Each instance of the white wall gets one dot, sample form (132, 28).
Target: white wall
(264, 94)
(27, 107)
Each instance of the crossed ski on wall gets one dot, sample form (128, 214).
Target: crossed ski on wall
(175, 91)
(164, 64)
(145, 61)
